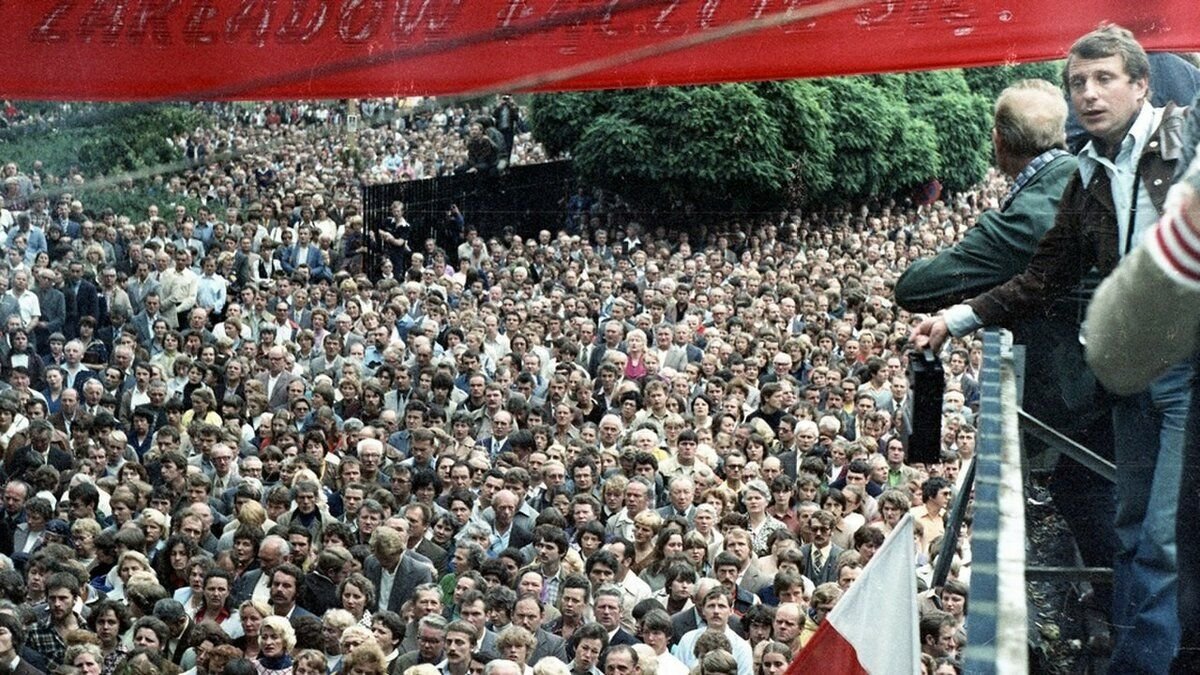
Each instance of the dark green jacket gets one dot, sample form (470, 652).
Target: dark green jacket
(1059, 388)
(996, 249)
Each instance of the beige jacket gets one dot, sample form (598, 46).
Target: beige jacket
(1145, 317)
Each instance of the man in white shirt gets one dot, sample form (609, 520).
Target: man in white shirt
(716, 616)
(637, 499)
(178, 289)
(633, 589)
(655, 631)
(27, 301)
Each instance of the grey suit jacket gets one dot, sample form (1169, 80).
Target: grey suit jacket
(549, 644)
(54, 313)
(828, 570)
(755, 579)
(436, 555)
(278, 398)
(409, 575)
(145, 327)
(668, 511)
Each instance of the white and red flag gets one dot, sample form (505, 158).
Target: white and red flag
(873, 629)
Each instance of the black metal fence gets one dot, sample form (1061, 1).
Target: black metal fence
(523, 200)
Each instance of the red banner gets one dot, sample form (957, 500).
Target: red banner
(255, 49)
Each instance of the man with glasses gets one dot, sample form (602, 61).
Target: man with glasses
(498, 442)
(820, 555)
(370, 457)
(430, 642)
(225, 475)
(735, 466)
(285, 329)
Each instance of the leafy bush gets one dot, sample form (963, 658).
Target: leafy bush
(103, 140)
(989, 81)
(740, 147)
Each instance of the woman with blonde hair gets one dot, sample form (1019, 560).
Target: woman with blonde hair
(354, 637)
(83, 533)
(86, 658)
(310, 662)
(157, 527)
(516, 644)
(613, 494)
(93, 260)
(365, 659)
(645, 529)
(552, 665)
(203, 408)
(635, 343)
(647, 659)
(251, 514)
(128, 564)
(252, 614)
(276, 640)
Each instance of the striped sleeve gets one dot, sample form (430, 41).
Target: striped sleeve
(1174, 244)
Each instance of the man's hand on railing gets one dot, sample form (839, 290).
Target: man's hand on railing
(931, 334)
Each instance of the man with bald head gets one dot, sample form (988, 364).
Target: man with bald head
(277, 378)
(497, 442)
(1028, 137)
(789, 620)
(505, 532)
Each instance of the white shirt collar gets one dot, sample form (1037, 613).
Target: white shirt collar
(1132, 145)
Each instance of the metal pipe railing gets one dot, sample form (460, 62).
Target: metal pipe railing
(999, 616)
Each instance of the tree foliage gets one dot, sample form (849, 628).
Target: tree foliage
(132, 202)
(105, 140)
(963, 125)
(138, 141)
(743, 146)
(801, 108)
(559, 120)
(717, 147)
(865, 119)
(989, 81)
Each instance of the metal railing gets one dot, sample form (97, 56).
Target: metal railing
(999, 614)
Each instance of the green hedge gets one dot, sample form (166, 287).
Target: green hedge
(103, 140)
(106, 140)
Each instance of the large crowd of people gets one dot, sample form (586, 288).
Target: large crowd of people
(231, 448)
